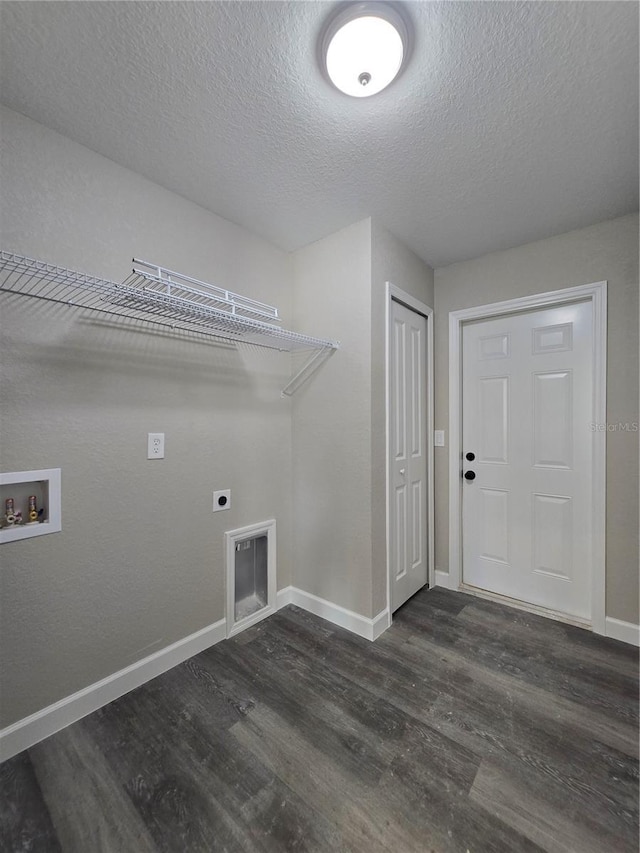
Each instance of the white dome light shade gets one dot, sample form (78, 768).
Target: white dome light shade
(364, 54)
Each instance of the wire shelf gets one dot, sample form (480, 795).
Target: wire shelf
(159, 296)
(194, 292)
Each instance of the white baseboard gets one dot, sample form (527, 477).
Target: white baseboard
(625, 631)
(283, 597)
(444, 579)
(380, 623)
(30, 730)
(370, 629)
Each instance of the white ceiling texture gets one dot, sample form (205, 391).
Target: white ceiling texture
(513, 121)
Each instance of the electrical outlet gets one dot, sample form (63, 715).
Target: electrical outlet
(222, 500)
(155, 445)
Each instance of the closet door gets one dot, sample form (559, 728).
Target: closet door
(408, 453)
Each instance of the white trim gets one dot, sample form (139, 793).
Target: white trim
(30, 730)
(516, 604)
(263, 528)
(380, 623)
(443, 579)
(370, 629)
(597, 294)
(625, 631)
(283, 597)
(394, 293)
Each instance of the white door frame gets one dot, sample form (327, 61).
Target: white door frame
(394, 293)
(597, 294)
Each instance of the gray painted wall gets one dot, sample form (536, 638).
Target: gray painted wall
(607, 251)
(332, 423)
(139, 563)
(339, 452)
(391, 261)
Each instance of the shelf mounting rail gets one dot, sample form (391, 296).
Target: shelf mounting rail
(165, 298)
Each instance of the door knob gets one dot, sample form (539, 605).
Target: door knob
(470, 475)
(402, 471)
(470, 456)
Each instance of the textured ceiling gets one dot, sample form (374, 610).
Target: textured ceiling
(512, 122)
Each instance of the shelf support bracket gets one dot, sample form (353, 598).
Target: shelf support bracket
(309, 367)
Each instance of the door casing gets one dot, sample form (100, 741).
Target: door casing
(597, 293)
(396, 294)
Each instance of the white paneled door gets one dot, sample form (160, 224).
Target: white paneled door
(408, 453)
(527, 404)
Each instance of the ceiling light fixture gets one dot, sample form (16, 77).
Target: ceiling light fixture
(364, 47)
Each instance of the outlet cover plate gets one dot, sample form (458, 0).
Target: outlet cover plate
(155, 445)
(222, 500)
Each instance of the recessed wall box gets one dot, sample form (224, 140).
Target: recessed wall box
(35, 504)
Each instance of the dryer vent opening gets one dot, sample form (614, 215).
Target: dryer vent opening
(251, 575)
(251, 567)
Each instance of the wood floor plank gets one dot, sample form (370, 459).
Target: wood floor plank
(551, 647)
(583, 643)
(273, 815)
(309, 624)
(534, 730)
(552, 825)
(520, 659)
(374, 721)
(176, 782)
(438, 599)
(591, 724)
(208, 765)
(281, 821)
(201, 689)
(611, 814)
(375, 667)
(90, 810)
(25, 822)
(375, 715)
(386, 816)
(344, 799)
(450, 823)
(467, 726)
(311, 716)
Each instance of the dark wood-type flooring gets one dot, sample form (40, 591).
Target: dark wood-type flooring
(468, 726)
